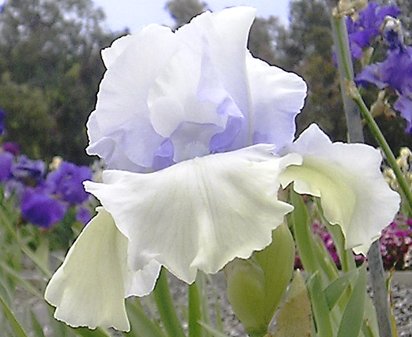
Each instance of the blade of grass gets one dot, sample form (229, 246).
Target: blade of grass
(36, 326)
(14, 323)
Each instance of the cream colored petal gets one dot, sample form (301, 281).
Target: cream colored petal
(348, 180)
(198, 214)
(90, 286)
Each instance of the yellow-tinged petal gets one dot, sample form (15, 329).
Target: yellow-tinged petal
(198, 214)
(90, 286)
(348, 180)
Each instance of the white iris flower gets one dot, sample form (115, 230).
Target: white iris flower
(198, 138)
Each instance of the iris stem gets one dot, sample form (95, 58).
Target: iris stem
(349, 91)
(303, 234)
(166, 308)
(374, 128)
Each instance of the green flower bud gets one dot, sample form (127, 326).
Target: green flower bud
(256, 286)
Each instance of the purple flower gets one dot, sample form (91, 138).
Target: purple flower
(394, 72)
(11, 147)
(6, 161)
(404, 105)
(67, 182)
(367, 27)
(395, 242)
(41, 209)
(31, 172)
(83, 215)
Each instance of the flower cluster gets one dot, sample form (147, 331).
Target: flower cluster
(44, 198)
(395, 71)
(198, 136)
(366, 27)
(395, 244)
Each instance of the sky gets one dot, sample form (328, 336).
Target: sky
(134, 14)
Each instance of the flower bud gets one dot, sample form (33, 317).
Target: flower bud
(256, 286)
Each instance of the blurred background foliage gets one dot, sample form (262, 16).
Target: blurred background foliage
(50, 67)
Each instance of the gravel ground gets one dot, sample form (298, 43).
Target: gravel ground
(401, 297)
(402, 302)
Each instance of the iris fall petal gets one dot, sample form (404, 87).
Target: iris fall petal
(90, 286)
(198, 214)
(348, 180)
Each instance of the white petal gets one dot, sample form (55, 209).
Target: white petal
(277, 97)
(348, 179)
(142, 282)
(226, 33)
(200, 213)
(121, 106)
(90, 286)
(110, 54)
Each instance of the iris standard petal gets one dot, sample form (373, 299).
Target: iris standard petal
(277, 97)
(121, 106)
(226, 33)
(348, 180)
(198, 214)
(110, 54)
(90, 286)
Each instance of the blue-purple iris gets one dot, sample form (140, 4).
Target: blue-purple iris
(41, 208)
(47, 204)
(30, 172)
(6, 161)
(45, 199)
(366, 27)
(67, 182)
(394, 72)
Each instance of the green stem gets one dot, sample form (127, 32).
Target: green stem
(349, 91)
(195, 311)
(374, 128)
(164, 303)
(302, 232)
(353, 120)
